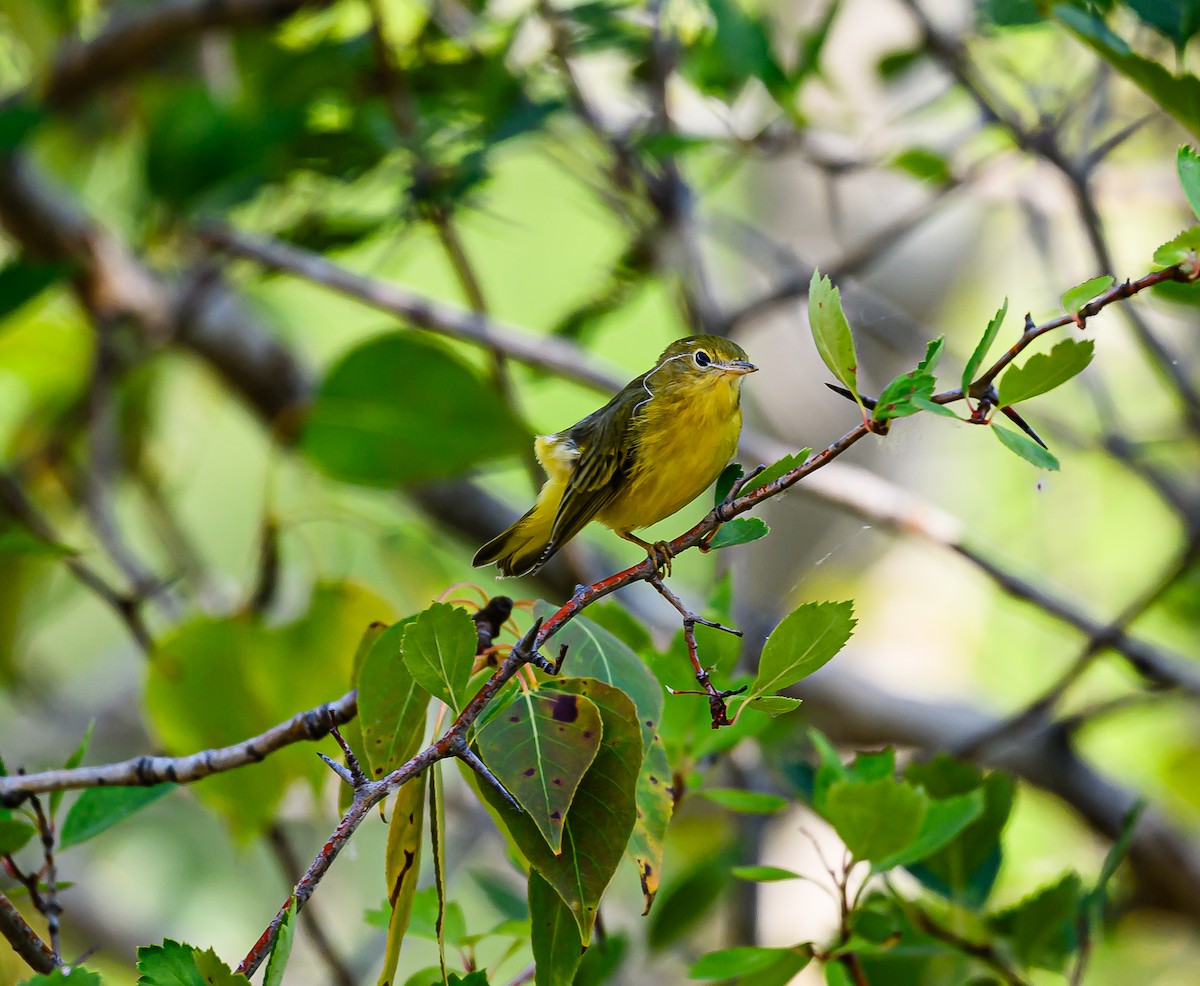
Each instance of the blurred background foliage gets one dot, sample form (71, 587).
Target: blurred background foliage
(245, 467)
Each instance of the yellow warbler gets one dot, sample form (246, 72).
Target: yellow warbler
(651, 450)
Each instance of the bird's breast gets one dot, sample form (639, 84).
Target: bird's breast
(682, 444)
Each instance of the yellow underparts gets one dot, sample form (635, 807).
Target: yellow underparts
(683, 442)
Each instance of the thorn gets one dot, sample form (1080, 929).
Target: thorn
(1020, 422)
(868, 402)
(1030, 324)
(338, 769)
(468, 756)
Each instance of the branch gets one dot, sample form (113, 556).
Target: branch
(24, 940)
(131, 41)
(146, 771)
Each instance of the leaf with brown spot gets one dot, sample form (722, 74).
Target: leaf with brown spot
(602, 813)
(391, 705)
(540, 747)
(593, 652)
(655, 803)
(402, 867)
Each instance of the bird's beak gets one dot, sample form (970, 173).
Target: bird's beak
(739, 367)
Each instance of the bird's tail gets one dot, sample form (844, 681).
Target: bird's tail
(524, 547)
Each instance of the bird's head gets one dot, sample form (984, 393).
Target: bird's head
(702, 361)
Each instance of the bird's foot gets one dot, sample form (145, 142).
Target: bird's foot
(661, 553)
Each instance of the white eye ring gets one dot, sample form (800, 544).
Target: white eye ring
(702, 358)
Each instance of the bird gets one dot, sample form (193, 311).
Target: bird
(651, 450)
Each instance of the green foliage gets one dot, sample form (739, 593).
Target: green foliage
(402, 868)
(831, 331)
(740, 530)
(744, 802)
(273, 672)
(391, 705)
(100, 808)
(449, 420)
(1187, 165)
(1182, 249)
(1078, 296)
(282, 949)
(19, 118)
(438, 649)
(1042, 372)
(73, 975)
(14, 833)
(601, 818)
(803, 642)
(1041, 928)
(655, 804)
(980, 352)
(176, 964)
(923, 163)
(1025, 447)
(739, 961)
(782, 467)
(900, 397)
(540, 746)
(21, 281)
(1178, 95)
(876, 818)
(557, 948)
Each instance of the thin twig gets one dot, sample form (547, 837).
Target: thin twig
(48, 903)
(147, 771)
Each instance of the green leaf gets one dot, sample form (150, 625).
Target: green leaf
(1097, 896)
(22, 281)
(803, 642)
(14, 834)
(729, 475)
(1182, 249)
(100, 808)
(655, 805)
(427, 906)
(438, 648)
(933, 353)
(557, 948)
(744, 802)
(594, 652)
(1041, 928)
(966, 868)
(73, 761)
(391, 705)
(19, 541)
(876, 819)
(72, 975)
(602, 815)
(1175, 20)
(1043, 372)
(836, 974)
(1026, 448)
(740, 530)
(765, 874)
(176, 964)
(944, 820)
(282, 949)
(276, 672)
(925, 404)
(1178, 95)
(831, 331)
(741, 960)
(776, 469)
(785, 969)
(397, 409)
(1187, 163)
(898, 399)
(1075, 298)
(773, 705)
(981, 349)
(1009, 13)
(540, 747)
(402, 864)
(923, 163)
(18, 119)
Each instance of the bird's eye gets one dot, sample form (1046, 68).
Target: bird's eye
(702, 358)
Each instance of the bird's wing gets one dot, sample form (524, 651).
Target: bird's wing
(606, 455)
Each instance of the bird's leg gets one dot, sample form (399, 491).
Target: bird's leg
(660, 552)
